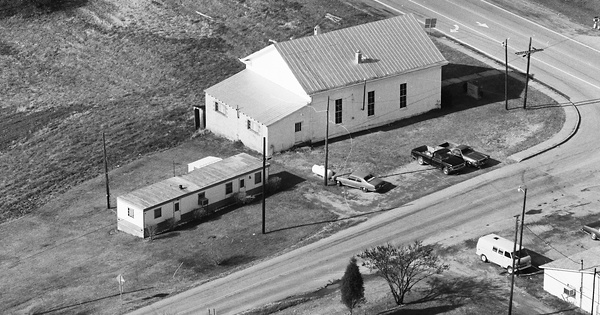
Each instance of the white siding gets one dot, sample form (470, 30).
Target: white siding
(423, 95)
(269, 64)
(555, 281)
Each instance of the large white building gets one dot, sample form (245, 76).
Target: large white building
(212, 186)
(368, 76)
(575, 279)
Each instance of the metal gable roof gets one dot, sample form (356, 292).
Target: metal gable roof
(257, 97)
(391, 46)
(196, 180)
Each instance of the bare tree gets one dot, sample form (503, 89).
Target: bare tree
(352, 286)
(403, 266)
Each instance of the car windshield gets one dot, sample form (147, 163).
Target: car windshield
(520, 254)
(369, 177)
(466, 150)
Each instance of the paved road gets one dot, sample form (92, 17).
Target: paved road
(566, 177)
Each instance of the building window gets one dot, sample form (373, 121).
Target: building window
(569, 292)
(177, 206)
(221, 108)
(257, 178)
(251, 125)
(157, 213)
(338, 111)
(242, 184)
(403, 95)
(371, 103)
(228, 188)
(298, 127)
(130, 212)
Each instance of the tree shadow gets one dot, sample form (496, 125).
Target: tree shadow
(30, 8)
(457, 291)
(91, 301)
(339, 219)
(424, 311)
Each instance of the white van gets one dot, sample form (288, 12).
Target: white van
(499, 250)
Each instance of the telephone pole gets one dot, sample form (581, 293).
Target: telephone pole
(512, 280)
(263, 184)
(505, 44)
(325, 179)
(527, 53)
(106, 171)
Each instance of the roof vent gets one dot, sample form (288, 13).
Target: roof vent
(358, 57)
(181, 187)
(317, 30)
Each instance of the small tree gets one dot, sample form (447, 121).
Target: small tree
(352, 286)
(403, 266)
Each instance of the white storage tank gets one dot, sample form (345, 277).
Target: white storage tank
(320, 170)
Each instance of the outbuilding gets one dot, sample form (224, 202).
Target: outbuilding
(351, 79)
(204, 190)
(574, 279)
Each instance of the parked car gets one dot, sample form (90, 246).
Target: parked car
(467, 153)
(362, 180)
(438, 157)
(593, 229)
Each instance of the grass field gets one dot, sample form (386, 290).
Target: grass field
(133, 70)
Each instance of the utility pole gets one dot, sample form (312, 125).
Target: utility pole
(263, 184)
(527, 53)
(505, 44)
(325, 179)
(106, 171)
(522, 189)
(512, 281)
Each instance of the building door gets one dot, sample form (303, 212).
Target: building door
(298, 133)
(176, 212)
(199, 118)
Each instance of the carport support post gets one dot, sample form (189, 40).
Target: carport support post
(512, 281)
(593, 291)
(263, 183)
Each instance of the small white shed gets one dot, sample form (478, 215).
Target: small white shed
(574, 279)
(179, 199)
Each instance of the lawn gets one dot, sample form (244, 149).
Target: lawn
(133, 70)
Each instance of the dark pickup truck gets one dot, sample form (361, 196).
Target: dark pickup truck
(438, 157)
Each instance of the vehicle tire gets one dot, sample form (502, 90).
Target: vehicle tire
(420, 160)
(446, 171)
(338, 183)
(593, 236)
(509, 270)
(483, 258)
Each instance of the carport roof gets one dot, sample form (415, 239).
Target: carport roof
(590, 257)
(167, 190)
(257, 97)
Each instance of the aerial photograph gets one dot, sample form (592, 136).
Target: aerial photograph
(299, 157)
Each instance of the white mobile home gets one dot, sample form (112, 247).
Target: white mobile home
(367, 76)
(179, 199)
(575, 279)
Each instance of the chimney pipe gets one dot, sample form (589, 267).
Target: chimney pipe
(357, 57)
(317, 30)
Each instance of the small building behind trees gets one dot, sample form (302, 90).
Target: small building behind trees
(202, 191)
